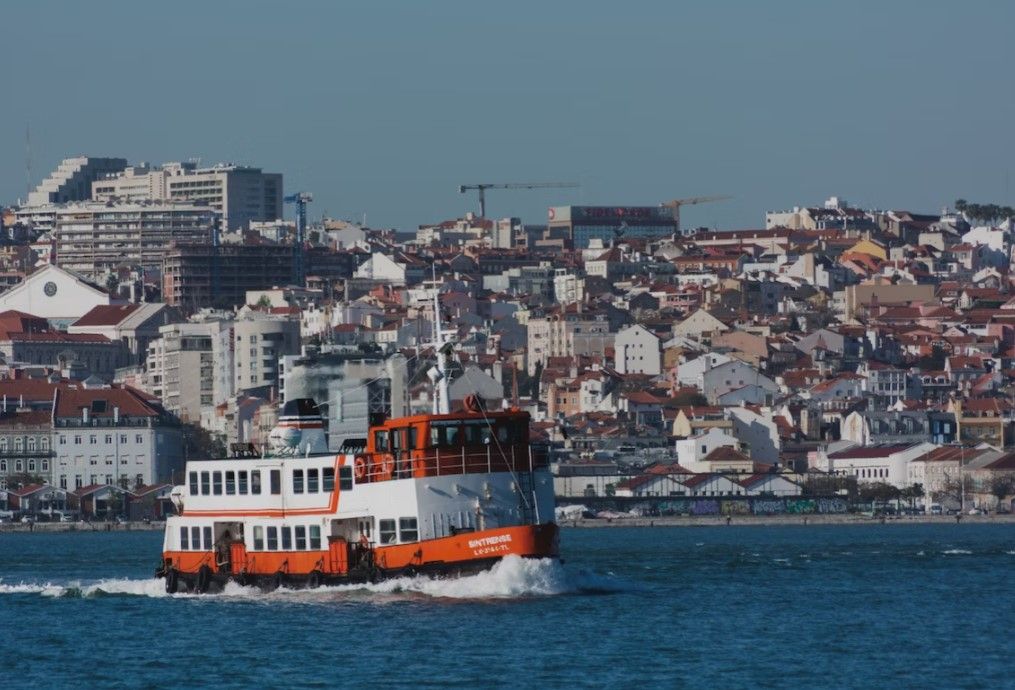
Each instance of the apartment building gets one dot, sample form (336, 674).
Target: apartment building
(259, 343)
(94, 238)
(190, 366)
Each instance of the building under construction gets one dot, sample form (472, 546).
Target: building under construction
(203, 275)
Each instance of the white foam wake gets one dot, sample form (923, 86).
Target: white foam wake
(510, 578)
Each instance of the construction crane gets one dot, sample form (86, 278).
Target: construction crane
(300, 199)
(677, 203)
(482, 187)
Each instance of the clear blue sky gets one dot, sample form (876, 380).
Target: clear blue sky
(384, 108)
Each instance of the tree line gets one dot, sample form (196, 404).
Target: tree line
(984, 212)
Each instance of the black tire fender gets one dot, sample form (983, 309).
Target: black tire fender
(203, 580)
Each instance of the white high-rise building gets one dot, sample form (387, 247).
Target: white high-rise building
(241, 194)
(72, 180)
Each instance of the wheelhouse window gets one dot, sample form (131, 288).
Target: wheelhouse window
(313, 484)
(445, 434)
(205, 483)
(255, 482)
(301, 538)
(192, 483)
(381, 441)
(273, 538)
(345, 478)
(297, 481)
(258, 538)
(327, 479)
(386, 529)
(408, 530)
(315, 537)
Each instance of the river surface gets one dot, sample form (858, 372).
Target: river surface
(895, 606)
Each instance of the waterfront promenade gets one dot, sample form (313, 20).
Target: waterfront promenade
(774, 520)
(664, 521)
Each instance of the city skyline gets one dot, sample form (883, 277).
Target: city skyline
(384, 112)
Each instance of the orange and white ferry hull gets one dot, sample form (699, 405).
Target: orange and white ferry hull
(314, 520)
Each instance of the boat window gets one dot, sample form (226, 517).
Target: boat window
(207, 539)
(301, 538)
(255, 482)
(345, 478)
(297, 481)
(408, 529)
(205, 483)
(195, 538)
(193, 487)
(230, 483)
(315, 537)
(444, 434)
(273, 538)
(486, 434)
(312, 484)
(503, 432)
(242, 477)
(276, 481)
(386, 528)
(258, 538)
(184, 539)
(327, 479)
(396, 439)
(472, 432)
(216, 483)
(287, 538)
(380, 441)
(413, 438)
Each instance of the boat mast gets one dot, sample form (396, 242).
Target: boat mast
(442, 349)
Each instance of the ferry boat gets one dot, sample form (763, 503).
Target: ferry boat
(440, 494)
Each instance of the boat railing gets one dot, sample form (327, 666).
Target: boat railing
(442, 462)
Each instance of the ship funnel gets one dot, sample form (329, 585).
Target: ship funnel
(300, 429)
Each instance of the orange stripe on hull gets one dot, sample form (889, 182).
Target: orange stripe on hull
(540, 541)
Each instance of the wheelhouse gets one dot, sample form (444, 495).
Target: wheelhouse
(458, 443)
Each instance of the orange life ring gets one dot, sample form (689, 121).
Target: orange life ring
(360, 468)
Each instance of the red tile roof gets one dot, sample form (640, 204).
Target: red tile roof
(107, 315)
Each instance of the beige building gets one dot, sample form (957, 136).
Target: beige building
(555, 335)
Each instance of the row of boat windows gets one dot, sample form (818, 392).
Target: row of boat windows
(452, 433)
(244, 482)
(298, 538)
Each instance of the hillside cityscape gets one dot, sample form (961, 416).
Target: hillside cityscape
(833, 358)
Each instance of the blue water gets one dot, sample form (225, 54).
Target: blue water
(725, 607)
